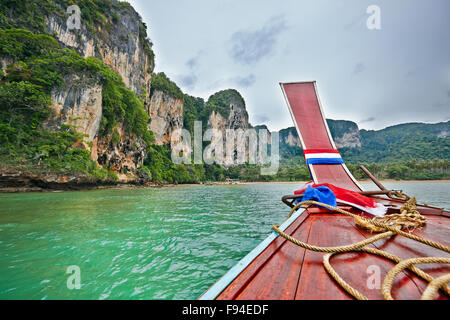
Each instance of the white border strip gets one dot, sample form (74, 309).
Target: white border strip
(322, 156)
(332, 140)
(216, 289)
(352, 177)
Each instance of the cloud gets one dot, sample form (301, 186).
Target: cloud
(250, 46)
(440, 104)
(359, 67)
(244, 82)
(193, 62)
(188, 81)
(411, 73)
(261, 118)
(370, 119)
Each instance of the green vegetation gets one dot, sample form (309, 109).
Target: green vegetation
(31, 15)
(160, 168)
(412, 151)
(405, 142)
(405, 170)
(220, 102)
(25, 97)
(192, 109)
(195, 109)
(26, 14)
(424, 155)
(160, 82)
(339, 127)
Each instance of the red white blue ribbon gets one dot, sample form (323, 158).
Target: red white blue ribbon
(322, 156)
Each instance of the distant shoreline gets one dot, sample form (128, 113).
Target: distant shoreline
(303, 182)
(63, 187)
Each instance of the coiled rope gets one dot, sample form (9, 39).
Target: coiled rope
(389, 225)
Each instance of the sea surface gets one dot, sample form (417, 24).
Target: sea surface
(142, 243)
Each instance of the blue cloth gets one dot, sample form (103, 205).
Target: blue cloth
(320, 194)
(324, 161)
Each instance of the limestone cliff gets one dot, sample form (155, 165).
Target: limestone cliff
(166, 116)
(228, 112)
(78, 102)
(123, 156)
(120, 42)
(237, 117)
(345, 134)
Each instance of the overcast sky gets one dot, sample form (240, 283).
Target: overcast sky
(399, 73)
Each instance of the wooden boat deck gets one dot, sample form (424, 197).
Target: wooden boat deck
(287, 271)
(278, 269)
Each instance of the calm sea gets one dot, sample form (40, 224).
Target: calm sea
(142, 243)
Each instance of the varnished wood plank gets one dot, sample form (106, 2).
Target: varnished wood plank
(405, 248)
(284, 266)
(334, 174)
(315, 283)
(279, 277)
(241, 282)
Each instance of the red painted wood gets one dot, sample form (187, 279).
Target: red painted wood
(334, 174)
(241, 282)
(286, 271)
(280, 273)
(315, 283)
(305, 108)
(306, 111)
(436, 229)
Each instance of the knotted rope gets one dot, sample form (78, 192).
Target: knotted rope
(389, 225)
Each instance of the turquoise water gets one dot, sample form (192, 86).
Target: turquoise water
(141, 243)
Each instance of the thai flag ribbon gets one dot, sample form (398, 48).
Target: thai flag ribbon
(343, 196)
(322, 156)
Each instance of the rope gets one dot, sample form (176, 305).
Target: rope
(434, 285)
(389, 225)
(387, 283)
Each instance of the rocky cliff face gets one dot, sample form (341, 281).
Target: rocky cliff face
(121, 45)
(123, 156)
(351, 139)
(345, 134)
(237, 119)
(78, 102)
(166, 116)
(292, 139)
(230, 114)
